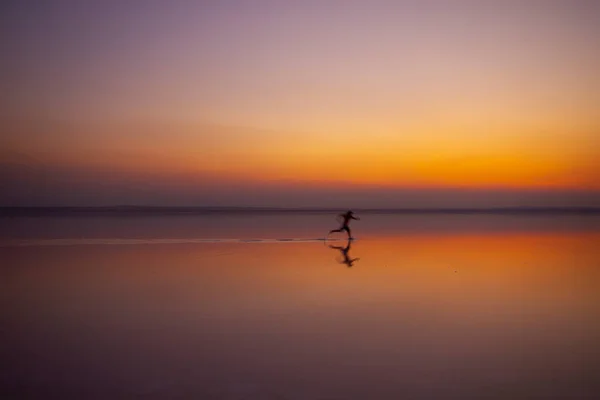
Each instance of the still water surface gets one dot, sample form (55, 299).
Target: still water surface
(498, 307)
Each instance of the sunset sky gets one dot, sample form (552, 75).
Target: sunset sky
(300, 103)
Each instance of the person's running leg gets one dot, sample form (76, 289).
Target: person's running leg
(347, 229)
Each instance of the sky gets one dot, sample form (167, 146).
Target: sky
(300, 103)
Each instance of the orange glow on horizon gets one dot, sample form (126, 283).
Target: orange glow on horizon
(317, 164)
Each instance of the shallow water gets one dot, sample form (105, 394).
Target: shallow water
(431, 307)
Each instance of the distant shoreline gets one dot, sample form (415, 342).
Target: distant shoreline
(159, 210)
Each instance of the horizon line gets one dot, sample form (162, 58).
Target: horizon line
(202, 210)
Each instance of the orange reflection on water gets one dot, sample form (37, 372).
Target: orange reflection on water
(463, 313)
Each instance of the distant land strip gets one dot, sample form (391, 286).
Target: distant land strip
(160, 210)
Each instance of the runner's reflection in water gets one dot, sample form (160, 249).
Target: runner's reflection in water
(345, 251)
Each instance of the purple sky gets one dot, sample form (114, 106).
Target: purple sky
(300, 103)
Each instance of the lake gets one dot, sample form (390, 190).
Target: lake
(258, 306)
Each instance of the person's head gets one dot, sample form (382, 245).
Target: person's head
(349, 212)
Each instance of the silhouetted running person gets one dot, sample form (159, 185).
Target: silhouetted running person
(345, 250)
(347, 216)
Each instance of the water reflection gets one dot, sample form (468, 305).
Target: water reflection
(520, 320)
(345, 252)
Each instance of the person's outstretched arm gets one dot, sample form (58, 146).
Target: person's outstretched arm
(356, 218)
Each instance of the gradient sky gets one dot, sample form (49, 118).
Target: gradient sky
(300, 103)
